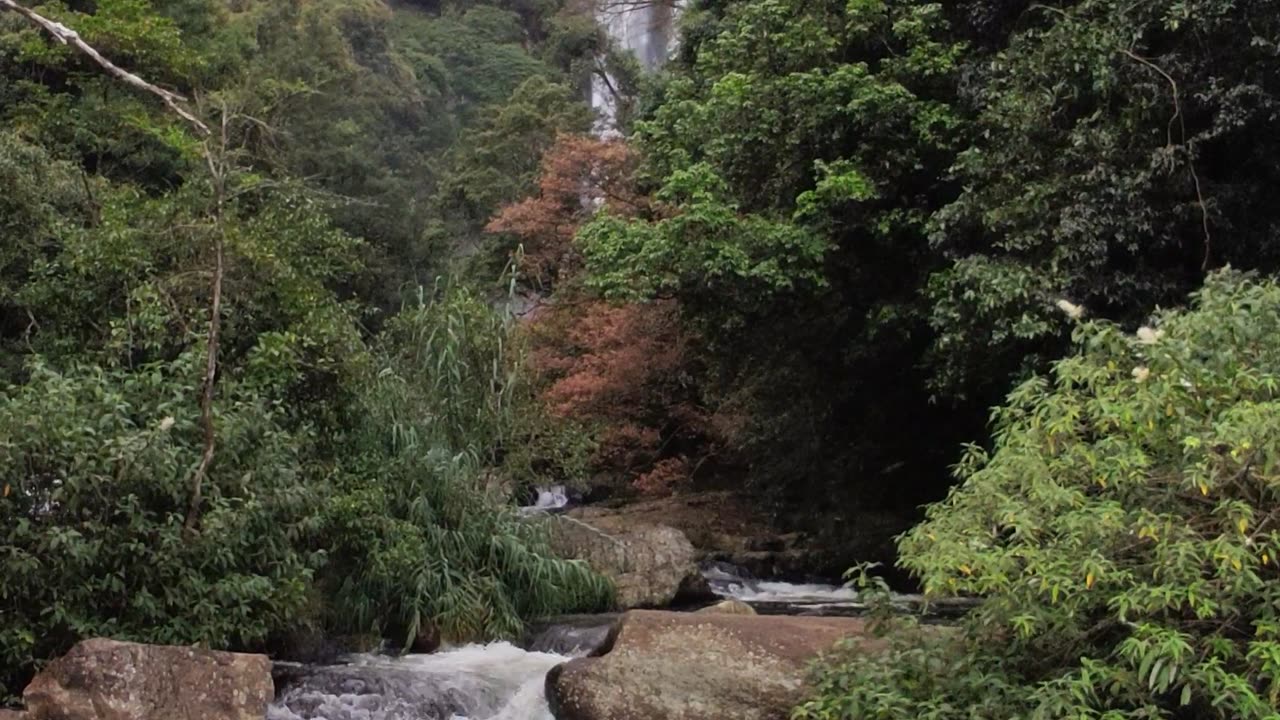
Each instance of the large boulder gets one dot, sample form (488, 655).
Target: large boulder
(110, 680)
(647, 563)
(693, 666)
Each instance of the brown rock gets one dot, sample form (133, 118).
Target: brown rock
(694, 590)
(109, 680)
(647, 563)
(729, 607)
(12, 715)
(428, 638)
(681, 666)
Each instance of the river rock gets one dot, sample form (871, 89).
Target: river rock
(109, 680)
(647, 563)
(729, 607)
(690, 666)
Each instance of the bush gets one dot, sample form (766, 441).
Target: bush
(94, 472)
(1124, 532)
(381, 526)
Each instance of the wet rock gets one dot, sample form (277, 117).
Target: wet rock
(571, 634)
(647, 563)
(694, 590)
(727, 526)
(691, 666)
(427, 639)
(109, 680)
(729, 607)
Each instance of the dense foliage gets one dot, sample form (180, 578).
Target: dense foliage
(620, 373)
(353, 472)
(1122, 530)
(866, 220)
(270, 377)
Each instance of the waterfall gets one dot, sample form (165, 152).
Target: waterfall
(646, 28)
(498, 681)
(549, 498)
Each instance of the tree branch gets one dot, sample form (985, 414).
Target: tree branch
(218, 176)
(67, 36)
(1191, 161)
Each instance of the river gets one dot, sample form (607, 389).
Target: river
(500, 681)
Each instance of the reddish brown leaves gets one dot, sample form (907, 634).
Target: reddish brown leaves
(579, 175)
(622, 370)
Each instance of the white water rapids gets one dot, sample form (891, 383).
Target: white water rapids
(498, 681)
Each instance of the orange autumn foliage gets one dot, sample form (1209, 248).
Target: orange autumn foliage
(622, 370)
(578, 176)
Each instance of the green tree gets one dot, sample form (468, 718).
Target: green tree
(794, 181)
(348, 487)
(1122, 533)
(94, 471)
(1099, 171)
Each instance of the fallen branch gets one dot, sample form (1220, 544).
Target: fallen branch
(67, 36)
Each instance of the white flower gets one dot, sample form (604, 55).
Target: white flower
(167, 423)
(1140, 374)
(1149, 336)
(1073, 311)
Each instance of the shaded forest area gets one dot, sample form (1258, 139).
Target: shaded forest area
(838, 233)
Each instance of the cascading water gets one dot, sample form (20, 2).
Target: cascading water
(646, 28)
(730, 581)
(498, 681)
(773, 597)
(548, 499)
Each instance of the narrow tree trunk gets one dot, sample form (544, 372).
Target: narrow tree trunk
(218, 177)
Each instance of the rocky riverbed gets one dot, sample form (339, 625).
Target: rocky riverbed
(742, 654)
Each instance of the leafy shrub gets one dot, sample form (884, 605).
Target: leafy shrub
(1123, 531)
(94, 472)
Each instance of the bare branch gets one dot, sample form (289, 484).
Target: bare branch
(218, 172)
(1191, 162)
(67, 36)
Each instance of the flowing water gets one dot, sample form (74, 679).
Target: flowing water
(501, 681)
(646, 28)
(498, 681)
(776, 597)
(548, 499)
(772, 597)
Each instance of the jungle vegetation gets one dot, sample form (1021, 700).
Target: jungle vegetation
(297, 369)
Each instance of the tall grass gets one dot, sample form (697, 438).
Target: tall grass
(413, 535)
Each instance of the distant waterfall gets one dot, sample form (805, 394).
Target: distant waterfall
(644, 27)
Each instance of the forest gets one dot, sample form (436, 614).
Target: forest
(288, 334)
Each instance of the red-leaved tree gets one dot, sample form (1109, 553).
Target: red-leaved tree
(579, 175)
(623, 370)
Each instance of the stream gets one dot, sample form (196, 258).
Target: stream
(500, 681)
(505, 681)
